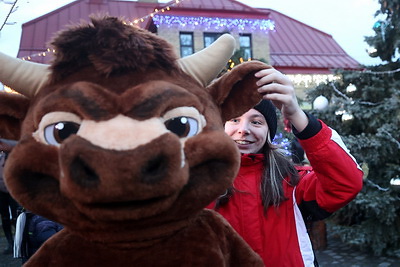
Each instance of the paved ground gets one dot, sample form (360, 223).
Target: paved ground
(339, 255)
(336, 254)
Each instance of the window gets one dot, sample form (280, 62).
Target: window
(245, 45)
(210, 37)
(186, 43)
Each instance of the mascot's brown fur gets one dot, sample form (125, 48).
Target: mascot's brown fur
(124, 149)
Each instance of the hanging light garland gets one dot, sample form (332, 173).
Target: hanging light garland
(380, 72)
(208, 23)
(156, 11)
(308, 80)
(134, 22)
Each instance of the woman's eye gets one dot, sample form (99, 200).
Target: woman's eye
(56, 133)
(183, 126)
(257, 122)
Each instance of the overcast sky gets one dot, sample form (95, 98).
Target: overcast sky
(348, 21)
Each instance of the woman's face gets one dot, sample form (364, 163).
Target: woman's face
(249, 131)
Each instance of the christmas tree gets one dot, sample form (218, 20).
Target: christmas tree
(364, 107)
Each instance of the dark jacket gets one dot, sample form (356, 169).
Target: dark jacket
(37, 230)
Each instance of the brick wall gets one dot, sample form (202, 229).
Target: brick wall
(260, 40)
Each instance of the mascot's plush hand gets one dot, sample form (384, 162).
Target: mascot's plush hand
(123, 144)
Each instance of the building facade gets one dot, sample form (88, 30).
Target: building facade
(304, 53)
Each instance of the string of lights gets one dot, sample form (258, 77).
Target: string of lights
(156, 11)
(134, 22)
(311, 80)
(208, 23)
(380, 72)
(308, 80)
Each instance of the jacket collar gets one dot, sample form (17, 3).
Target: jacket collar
(249, 159)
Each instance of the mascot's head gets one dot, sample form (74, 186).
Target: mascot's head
(118, 135)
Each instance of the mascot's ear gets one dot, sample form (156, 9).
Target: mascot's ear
(236, 91)
(13, 108)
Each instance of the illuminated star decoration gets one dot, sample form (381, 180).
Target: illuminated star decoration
(215, 23)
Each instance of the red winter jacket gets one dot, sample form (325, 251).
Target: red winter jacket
(280, 237)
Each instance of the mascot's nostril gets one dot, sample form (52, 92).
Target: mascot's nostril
(154, 170)
(82, 174)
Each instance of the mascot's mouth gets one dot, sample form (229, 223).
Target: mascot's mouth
(126, 210)
(126, 205)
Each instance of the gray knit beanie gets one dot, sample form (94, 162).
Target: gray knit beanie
(268, 110)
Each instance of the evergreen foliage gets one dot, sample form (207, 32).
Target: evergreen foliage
(368, 119)
(387, 31)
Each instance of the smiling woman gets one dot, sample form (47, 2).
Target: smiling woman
(272, 198)
(251, 130)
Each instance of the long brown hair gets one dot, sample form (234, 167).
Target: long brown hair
(278, 168)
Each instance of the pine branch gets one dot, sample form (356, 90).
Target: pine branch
(391, 138)
(377, 186)
(351, 100)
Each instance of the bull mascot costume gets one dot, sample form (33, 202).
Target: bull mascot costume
(123, 144)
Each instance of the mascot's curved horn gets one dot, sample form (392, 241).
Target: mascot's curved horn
(25, 77)
(206, 64)
(28, 77)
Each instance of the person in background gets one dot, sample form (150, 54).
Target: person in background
(272, 197)
(297, 152)
(36, 231)
(8, 206)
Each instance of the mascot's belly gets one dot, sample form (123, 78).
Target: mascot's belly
(209, 241)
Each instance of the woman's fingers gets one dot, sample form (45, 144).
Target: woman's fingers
(276, 87)
(268, 76)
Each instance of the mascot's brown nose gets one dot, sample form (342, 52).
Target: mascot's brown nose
(155, 169)
(89, 166)
(152, 172)
(82, 174)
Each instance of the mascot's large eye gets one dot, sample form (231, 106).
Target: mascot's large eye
(58, 132)
(182, 126)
